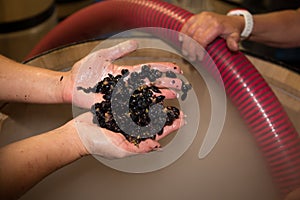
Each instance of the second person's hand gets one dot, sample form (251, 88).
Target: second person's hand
(206, 27)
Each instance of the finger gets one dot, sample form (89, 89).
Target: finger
(98, 64)
(131, 149)
(233, 41)
(206, 36)
(161, 66)
(185, 45)
(146, 146)
(193, 27)
(188, 47)
(165, 67)
(118, 50)
(188, 23)
(165, 82)
(170, 129)
(200, 52)
(192, 54)
(169, 94)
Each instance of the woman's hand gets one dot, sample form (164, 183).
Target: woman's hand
(87, 72)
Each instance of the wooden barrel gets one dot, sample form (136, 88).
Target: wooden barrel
(68, 7)
(23, 24)
(284, 82)
(235, 169)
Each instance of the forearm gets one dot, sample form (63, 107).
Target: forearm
(278, 29)
(25, 163)
(23, 83)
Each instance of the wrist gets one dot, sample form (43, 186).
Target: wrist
(248, 21)
(239, 23)
(50, 86)
(70, 135)
(66, 89)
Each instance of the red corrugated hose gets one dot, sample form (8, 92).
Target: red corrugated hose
(257, 104)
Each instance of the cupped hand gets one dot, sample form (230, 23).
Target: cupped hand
(87, 72)
(206, 27)
(111, 145)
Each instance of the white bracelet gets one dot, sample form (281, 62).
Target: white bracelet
(248, 21)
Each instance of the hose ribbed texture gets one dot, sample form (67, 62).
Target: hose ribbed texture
(268, 122)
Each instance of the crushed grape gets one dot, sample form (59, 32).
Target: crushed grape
(141, 97)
